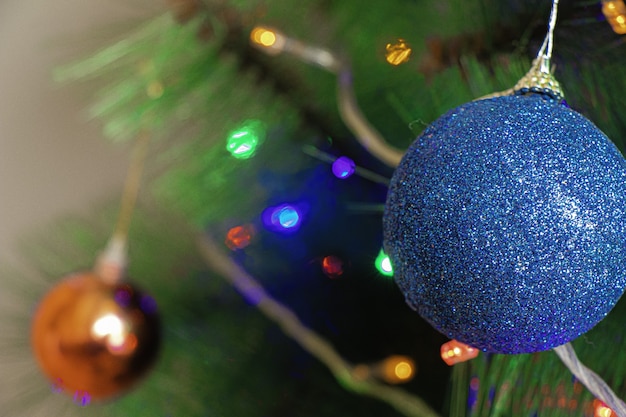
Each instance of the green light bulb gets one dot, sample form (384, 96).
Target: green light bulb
(242, 142)
(383, 264)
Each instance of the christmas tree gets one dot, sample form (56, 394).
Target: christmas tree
(252, 175)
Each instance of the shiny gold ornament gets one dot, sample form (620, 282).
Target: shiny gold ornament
(398, 53)
(93, 339)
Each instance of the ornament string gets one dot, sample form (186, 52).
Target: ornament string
(317, 346)
(590, 379)
(546, 49)
(274, 42)
(112, 262)
(566, 352)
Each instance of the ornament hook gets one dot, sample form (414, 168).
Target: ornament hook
(539, 78)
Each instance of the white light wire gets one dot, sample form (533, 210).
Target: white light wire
(349, 109)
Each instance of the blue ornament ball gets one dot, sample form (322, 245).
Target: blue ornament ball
(506, 224)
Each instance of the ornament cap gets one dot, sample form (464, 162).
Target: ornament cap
(539, 80)
(112, 262)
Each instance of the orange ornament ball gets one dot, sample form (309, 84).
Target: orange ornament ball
(95, 340)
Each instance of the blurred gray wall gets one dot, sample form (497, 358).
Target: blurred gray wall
(53, 162)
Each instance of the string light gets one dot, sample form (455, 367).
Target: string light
(284, 218)
(397, 369)
(343, 167)
(600, 409)
(350, 112)
(273, 42)
(269, 39)
(332, 266)
(239, 237)
(331, 159)
(398, 52)
(615, 13)
(383, 264)
(454, 352)
(243, 141)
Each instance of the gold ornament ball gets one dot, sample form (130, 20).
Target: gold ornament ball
(93, 339)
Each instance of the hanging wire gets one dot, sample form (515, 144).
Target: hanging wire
(549, 41)
(112, 262)
(345, 373)
(590, 379)
(274, 42)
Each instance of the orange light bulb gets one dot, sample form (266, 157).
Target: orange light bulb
(600, 409)
(397, 369)
(454, 352)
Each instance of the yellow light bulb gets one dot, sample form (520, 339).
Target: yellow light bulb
(269, 40)
(263, 36)
(398, 53)
(404, 370)
(604, 412)
(396, 369)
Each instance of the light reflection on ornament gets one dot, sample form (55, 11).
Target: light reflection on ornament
(383, 264)
(109, 327)
(454, 352)
(343, 167)
(82, 398)
(398, 52)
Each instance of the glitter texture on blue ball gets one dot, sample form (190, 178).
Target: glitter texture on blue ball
(506, 224)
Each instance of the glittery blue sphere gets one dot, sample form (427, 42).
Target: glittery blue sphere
(506, 224)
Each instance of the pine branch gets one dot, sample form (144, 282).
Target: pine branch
(253, 292)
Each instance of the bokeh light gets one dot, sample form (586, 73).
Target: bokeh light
(398, 52)
(239, 237)
(284, 218)
(398, 369)
(615, 13)
(242, 142)
(82, 398)
(263, 36)
(332, 266)
(383, 264)
(600, 409)
(343, 167)
(454, 352)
